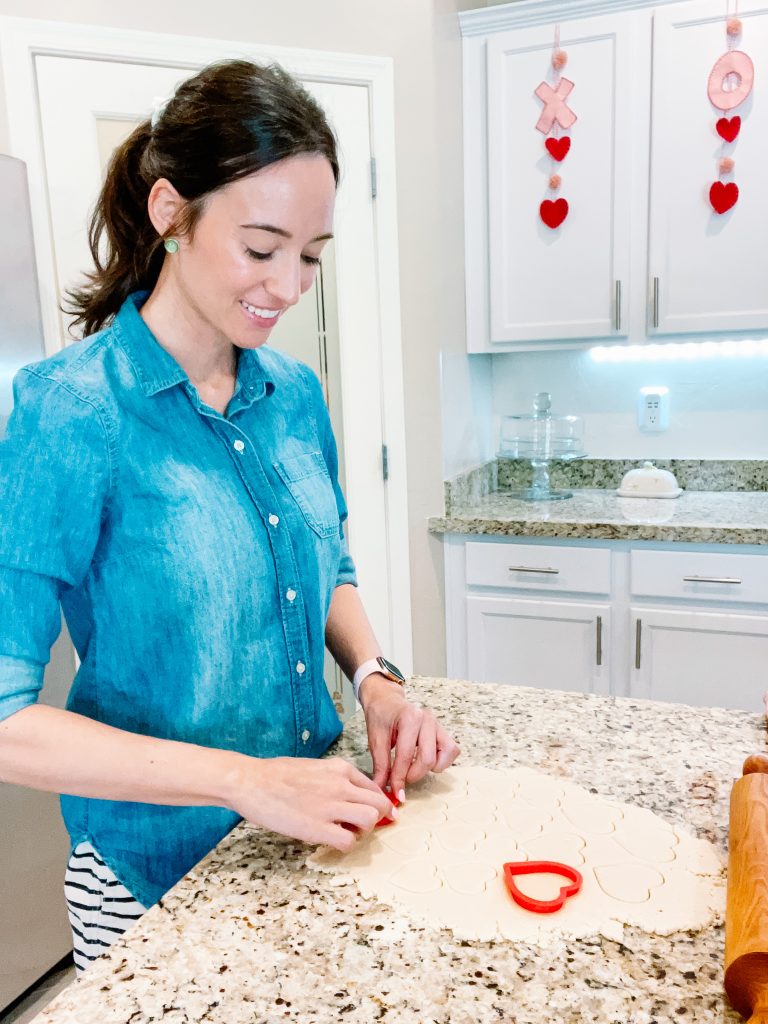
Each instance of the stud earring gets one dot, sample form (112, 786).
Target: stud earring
(171, 245)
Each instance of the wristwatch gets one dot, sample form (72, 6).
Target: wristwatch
(380, 665)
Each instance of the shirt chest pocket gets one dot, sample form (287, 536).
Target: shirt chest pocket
(307, 479)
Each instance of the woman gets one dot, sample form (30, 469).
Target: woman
(172, 485)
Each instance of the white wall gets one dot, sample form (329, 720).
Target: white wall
(424, 41)
(718, 405)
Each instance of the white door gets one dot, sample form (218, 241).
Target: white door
(86, 108)
(554, 645)
(708, 271)
(570, 281)
(707, 659)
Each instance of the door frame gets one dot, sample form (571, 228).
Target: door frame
(22, 40)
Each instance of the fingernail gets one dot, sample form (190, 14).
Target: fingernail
(394, 815)
(401, 796)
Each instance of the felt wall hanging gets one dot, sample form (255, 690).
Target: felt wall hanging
(730, 82)
(556, 115)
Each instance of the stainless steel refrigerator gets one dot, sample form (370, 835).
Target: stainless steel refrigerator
(34, 932)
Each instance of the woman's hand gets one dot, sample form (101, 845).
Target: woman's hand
(328, 802)
(421, 744)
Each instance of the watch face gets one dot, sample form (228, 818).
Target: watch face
(391, 669)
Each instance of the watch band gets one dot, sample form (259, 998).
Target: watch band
(380, 665)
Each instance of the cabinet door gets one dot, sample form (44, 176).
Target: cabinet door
(707, 659)
(573, 281)
(707, 271)
(555, 645)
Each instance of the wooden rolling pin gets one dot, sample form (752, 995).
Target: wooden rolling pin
(746, 918)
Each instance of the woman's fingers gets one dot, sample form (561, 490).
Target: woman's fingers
(426, 750)
(447, 750)
(380, 746)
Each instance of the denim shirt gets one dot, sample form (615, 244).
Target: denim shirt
(194, 556)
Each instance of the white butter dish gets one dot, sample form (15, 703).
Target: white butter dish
(649, 482)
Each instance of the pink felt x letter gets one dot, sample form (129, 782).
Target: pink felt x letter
(555, 107)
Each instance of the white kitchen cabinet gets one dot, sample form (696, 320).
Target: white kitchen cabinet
(666, 621)
(553, 645)
(571, 281)
(641, 252)
(700, 657)
(708, 271)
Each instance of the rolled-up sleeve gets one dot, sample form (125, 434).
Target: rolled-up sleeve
(346, 571)
(55, 477)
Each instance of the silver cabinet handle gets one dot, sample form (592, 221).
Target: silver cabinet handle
(599, 640)
(711, 579)
(528, 568)
(655, 319)
(617, 306)
(638, 641)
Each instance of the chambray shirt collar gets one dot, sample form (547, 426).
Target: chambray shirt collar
(157, 370)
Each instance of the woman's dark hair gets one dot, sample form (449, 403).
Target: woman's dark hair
(228, 121)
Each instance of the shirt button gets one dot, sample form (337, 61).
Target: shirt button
(305, 735)
(274, 520)
(291, 595)
(238, 445)
(301, 668)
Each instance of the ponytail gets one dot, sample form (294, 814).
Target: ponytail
(226, 122)
(131, 254)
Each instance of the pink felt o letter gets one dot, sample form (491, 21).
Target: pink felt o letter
(555, 107)
(735, 62)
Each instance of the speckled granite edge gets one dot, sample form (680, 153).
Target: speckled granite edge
(692, 474)
(470, 486)
(598, 531)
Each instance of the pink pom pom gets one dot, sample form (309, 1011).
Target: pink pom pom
(559, 60)
(726, 165)
(555, 181)
(733, 28)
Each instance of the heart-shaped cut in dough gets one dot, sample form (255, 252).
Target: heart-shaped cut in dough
(564, 847)
(469, 879)
(654, 845)
(475, 812)
(523, 819)
(628, 883)
(591, 816)
(416, 876)
(408, 841)
(456, 838)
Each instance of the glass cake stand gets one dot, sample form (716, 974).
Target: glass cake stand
(541, 438)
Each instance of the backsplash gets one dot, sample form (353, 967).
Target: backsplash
(692, 475)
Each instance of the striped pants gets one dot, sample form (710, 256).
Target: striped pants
(100, 907)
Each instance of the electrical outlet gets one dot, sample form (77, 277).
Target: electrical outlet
(653, 410)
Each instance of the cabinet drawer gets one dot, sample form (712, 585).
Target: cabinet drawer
(700, 576)
(539, 567)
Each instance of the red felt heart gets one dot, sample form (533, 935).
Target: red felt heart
(723, 196)
(558, 148)
(554, 212)
(543, 867)
(728, 127)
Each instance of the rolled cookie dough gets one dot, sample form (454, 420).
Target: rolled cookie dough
(441, 863)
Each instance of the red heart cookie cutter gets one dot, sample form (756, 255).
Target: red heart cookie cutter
(388, 821)
(541, 867)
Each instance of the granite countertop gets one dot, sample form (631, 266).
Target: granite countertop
(252, 935)
(709, 517)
